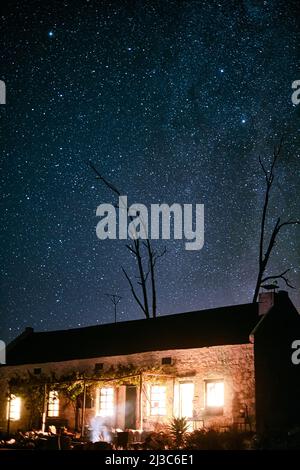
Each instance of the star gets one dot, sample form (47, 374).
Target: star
(142, 94)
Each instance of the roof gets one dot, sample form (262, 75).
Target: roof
(220, 326)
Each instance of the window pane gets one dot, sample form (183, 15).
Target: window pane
(53, 404)
(14, 408)
(215, 394)
(186, 400)
(158, 400)
(106, 402)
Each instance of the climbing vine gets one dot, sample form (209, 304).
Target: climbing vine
(35, 388)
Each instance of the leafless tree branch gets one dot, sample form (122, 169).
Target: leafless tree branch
(159, 255)
(134, 294)
(264, 257)
(135, 249)
(104, 180)
(279, 276)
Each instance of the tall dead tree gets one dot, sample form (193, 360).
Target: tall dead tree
(266, 244)
(146, 258)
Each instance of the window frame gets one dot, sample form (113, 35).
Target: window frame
(14, 408)
(108, 410)
(211, 409)
(162, 395)
(53, 404)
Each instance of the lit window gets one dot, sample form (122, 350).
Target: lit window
(53, 404)
(106, 402)
(14, 408)
(158, 400)
(215, 394)
(183, 400)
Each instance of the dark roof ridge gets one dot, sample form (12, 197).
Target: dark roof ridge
(163, 317)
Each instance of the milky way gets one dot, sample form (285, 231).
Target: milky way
(173, 102)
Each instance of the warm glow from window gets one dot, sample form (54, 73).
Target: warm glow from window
(158, 400)
(215, 394)
(106, 402)
(53, 404)
(183, 400)
(14, 408)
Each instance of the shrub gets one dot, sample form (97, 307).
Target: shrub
(210, 439)
(157, 441)
(276, 440)
(178, 431)
(206, 439)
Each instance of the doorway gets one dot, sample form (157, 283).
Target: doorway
(130, 407)
(183, 400)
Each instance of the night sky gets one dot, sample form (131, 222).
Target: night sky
(173, 101)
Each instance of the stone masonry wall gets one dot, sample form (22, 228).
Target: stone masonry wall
(234, 364)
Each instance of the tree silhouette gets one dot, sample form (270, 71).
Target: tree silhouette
(265, 241)
(146, 258)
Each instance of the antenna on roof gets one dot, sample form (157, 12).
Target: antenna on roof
(115, 300)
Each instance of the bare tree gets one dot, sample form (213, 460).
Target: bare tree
(264, 255)
(144, 255)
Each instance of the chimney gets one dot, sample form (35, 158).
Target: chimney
(266, 300)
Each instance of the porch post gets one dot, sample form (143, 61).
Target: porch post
(44, 408)
(140, 402)
(8, 413)
(83, 409)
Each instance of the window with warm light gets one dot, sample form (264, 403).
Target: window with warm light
(53, 404)
(14, 408)
(215, 394)
(158, 400)
(183, 400)
(106, 402)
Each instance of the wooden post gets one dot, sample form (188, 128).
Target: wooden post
(141, 402)
(83, 409)
(173, 414)
(44, 408)
(8, 414)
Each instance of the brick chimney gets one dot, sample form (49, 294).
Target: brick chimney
(266, 300)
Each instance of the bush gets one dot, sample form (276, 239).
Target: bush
(158, 441)
(209, 439)
(178, 431)
(206, 439)
(276, 440)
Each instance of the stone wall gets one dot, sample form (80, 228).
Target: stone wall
(234, 364)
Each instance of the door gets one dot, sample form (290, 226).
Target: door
(130, 407)
(183, 400)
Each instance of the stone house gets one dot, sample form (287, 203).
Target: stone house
(219, 368)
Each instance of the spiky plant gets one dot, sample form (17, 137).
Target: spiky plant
(178, 430)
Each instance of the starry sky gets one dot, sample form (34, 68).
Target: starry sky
(173, 101)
